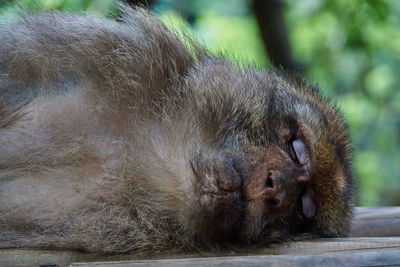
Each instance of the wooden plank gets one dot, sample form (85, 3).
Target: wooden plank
(367, 222)
(24, 257)
(321, 245)
(382, 221)
(388, 257)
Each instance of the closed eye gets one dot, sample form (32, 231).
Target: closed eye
(300, 152)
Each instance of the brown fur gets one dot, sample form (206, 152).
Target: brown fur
(115, 137)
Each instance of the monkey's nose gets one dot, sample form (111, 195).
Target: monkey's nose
(268, 188)
(280, 191)
(274, 192)
(276, 188)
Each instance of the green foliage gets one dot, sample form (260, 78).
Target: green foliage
(351, 49)
(229, 30)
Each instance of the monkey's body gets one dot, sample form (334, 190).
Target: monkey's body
(114, 137)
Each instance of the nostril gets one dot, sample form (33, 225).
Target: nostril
(270, 181)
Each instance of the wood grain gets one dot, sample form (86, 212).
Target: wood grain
(375, 241)
(381, 221)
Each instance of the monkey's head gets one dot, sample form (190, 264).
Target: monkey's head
(272, 159)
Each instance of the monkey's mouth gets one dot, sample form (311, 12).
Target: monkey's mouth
(220, 197)
(226, 220)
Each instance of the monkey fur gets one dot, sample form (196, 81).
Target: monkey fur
(119, 137)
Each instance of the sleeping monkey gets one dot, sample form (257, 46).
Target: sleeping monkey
(119, 137)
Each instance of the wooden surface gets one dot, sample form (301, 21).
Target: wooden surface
(364, 258)
(383, 221)
(363, 249)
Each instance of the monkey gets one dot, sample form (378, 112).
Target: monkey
(118, 136)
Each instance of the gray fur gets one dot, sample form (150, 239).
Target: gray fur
(111, 135)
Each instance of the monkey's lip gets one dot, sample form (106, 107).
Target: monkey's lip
(236, 208)
(226, 220)
(227, 215)
(220, 195)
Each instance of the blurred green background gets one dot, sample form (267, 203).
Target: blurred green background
(351, 49)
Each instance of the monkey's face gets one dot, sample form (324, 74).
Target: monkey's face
(276, 162)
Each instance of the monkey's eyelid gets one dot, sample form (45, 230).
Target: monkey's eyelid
(308, 204)
(300, 151)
